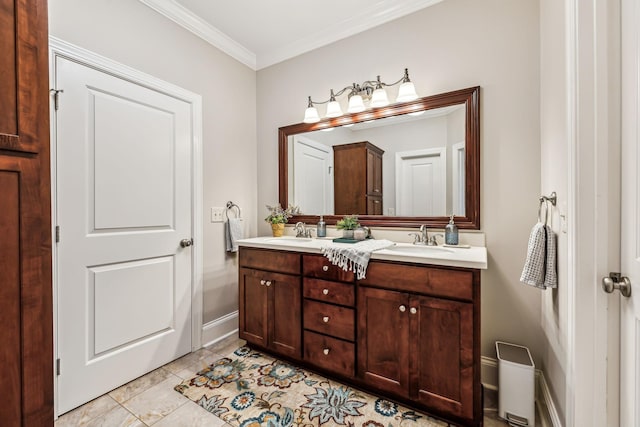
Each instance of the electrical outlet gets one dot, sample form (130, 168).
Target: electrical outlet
(217, 214)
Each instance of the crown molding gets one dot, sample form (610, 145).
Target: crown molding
(191, 22)
(383, 12)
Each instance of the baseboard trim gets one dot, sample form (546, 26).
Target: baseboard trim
(219, 329)
(543, 398)
(544, 395)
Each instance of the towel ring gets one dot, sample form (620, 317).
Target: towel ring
(231, 205)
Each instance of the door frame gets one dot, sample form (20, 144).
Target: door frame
(61, 49)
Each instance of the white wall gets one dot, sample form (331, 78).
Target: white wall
(453, 45)
(129, 32)
(554, 140)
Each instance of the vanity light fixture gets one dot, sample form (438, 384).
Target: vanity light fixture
(369, 90)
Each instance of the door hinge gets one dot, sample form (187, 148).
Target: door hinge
(57, 234)
(56, 96)
(57, 367)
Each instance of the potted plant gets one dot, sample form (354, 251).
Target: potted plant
(347, 224)
(278, 217)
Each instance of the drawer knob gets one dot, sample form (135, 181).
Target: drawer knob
(402, 308)
(325, 319)
(325, 268)
(268, 283)
(262, 282)
(413, 310)
(325, 291)
(325, 351)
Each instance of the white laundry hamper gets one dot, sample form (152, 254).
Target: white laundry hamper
(516, 386)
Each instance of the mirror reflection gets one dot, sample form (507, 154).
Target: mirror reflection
(412, 165)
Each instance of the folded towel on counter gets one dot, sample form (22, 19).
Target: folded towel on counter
(233, 233)
(354, 257)
(540, 266)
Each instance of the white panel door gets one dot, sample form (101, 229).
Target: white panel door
(421, 177)
(630, 225)
(312, 176)
(123, 206)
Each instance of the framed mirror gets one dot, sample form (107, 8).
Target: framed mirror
(403, 165)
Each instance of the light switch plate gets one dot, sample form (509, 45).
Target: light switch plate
(217, 214)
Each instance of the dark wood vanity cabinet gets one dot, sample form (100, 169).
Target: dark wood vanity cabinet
(418, 336)
(357, 179)
(270, 301)
(410, 332)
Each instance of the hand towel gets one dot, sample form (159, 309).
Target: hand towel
(233, 233)
(354, 257)
(540, 266)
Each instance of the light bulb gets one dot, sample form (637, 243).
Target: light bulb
(311, 115)
(333, 109)
(406, 92)
(356, 105)
(379, 98)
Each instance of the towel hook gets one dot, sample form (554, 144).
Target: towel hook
(553, 198)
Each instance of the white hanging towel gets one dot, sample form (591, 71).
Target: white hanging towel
(233, 233)
(354, 257)
(540, 266)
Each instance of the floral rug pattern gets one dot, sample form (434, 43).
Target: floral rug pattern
(250, 389)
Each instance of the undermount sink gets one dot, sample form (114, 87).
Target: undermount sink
(419, 249)
(286, 239)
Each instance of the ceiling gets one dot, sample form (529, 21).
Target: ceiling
(263, 33)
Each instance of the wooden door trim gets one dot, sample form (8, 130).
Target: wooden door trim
(61, 49)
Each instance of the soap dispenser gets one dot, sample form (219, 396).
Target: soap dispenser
(321, 228)
(451, 233)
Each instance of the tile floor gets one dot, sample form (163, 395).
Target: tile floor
(151, 400)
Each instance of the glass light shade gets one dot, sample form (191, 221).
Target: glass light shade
(379, 98)
(311, 115)
(407, 92)
(333, 109)
(356, 105)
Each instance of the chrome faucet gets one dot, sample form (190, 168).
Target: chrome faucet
(423, 238)
(302, 230)
(425, 235)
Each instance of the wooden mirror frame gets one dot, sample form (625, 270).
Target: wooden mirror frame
(469, 97)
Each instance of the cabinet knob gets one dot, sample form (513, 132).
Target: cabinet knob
(402, 308)
(413, 310)
(325, 268)
(325, 351)
(262, 282)
(268, 283)
(325, 291)
(325, 319)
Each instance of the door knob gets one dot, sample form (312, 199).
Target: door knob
(186, 242)
(617, 281)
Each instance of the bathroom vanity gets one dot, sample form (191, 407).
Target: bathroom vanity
(409, 331)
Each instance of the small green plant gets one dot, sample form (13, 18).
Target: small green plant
(348, 222)
(277, 215)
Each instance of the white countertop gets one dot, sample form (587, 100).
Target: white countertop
(471, 257)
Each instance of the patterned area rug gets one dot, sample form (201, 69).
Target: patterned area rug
(250, 389)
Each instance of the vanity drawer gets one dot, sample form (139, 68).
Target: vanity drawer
(320, 267)
(270, 260)
(329, 319)
(440, 282)
(330, 353)
(331, 292)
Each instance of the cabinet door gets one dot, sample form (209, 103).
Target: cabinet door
(374, 173)
(383, 339)
(374, 205)
(285, 323)
(442, 355)
(253, 306)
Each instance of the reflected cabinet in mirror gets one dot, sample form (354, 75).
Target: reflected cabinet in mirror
(407, 164)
